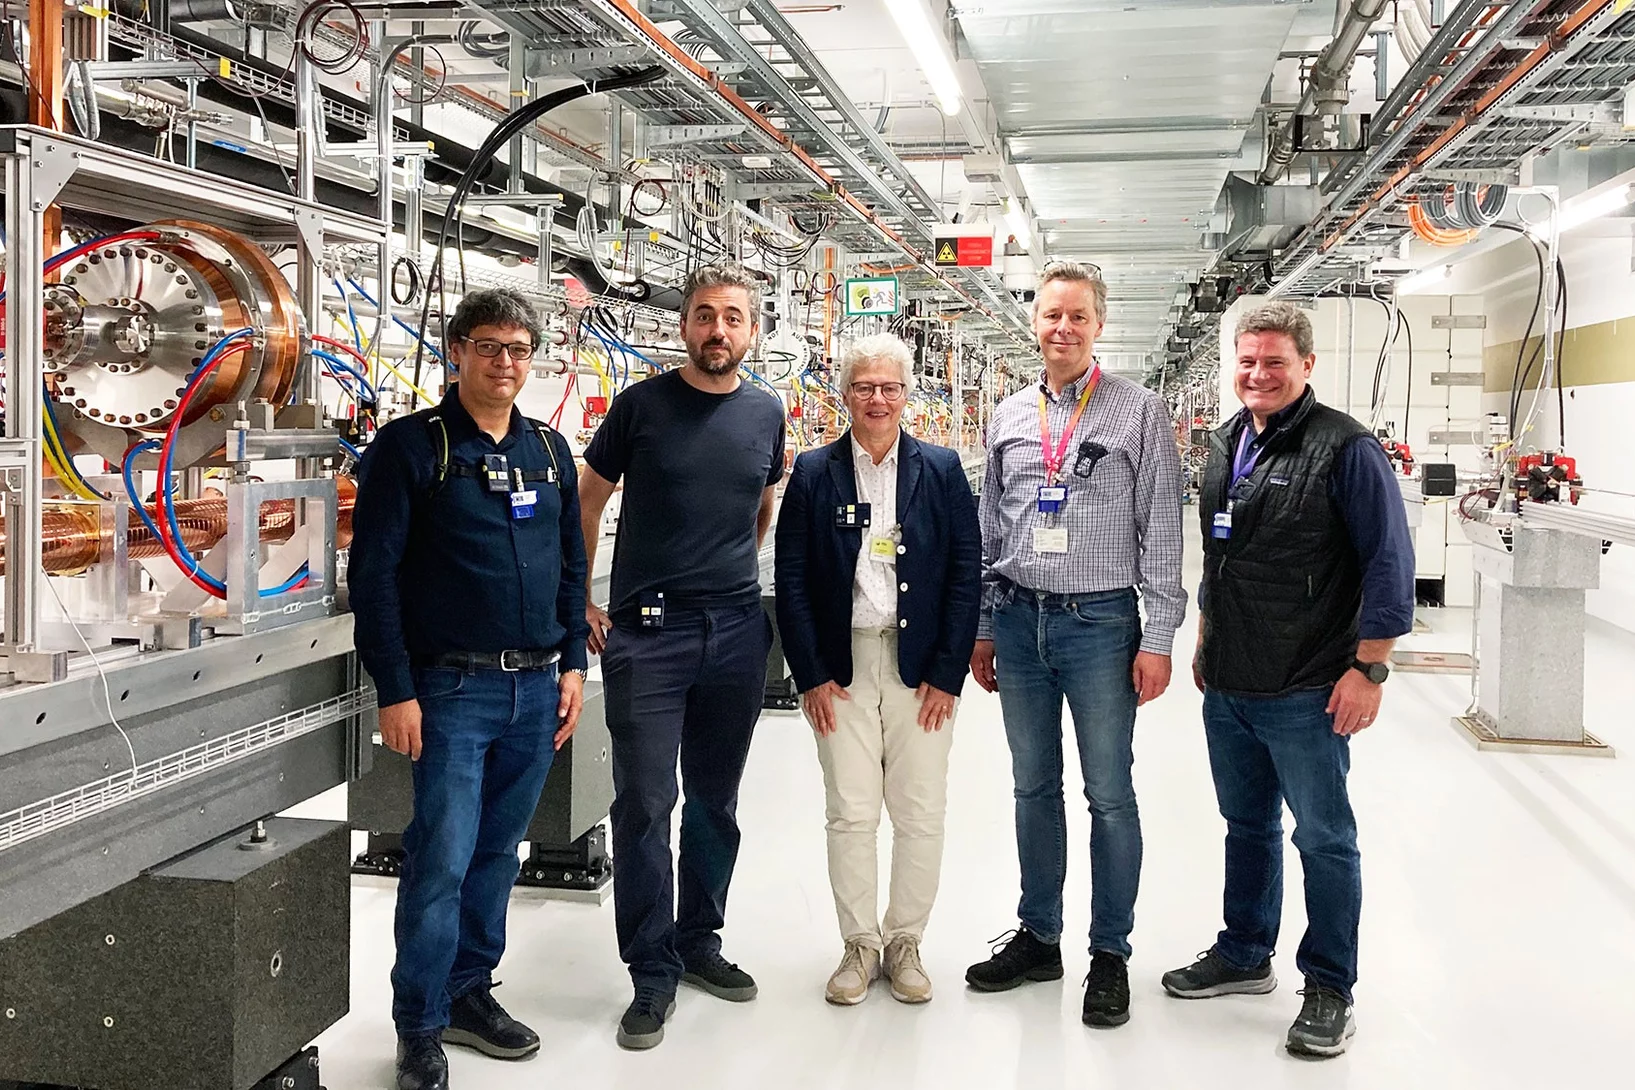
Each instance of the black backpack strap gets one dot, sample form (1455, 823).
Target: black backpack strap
(545, 431)
(435, 422)
(445, 470)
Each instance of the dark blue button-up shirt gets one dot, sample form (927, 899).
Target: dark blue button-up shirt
(439, 568)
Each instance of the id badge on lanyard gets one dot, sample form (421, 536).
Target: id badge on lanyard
(1049, 538)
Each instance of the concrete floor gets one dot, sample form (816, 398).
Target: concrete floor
(1498, 933)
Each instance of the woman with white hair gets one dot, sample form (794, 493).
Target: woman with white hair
(878, 582)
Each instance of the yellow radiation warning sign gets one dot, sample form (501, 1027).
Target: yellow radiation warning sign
(947, 254)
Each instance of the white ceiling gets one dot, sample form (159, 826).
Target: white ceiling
(1122, 117)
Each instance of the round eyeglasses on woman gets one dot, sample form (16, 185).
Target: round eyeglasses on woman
(517, 350)
(891, 391)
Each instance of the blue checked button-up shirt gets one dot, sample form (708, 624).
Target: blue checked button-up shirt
(1123, 522)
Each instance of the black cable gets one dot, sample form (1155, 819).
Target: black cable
(1538, 301)
(1561, 354)
(1408, 401)
(1377, 391)
(497, 139)
(1550, 331)
(412, 294)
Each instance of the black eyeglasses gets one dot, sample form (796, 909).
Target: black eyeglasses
(891, 391)
(1089, 454)
(517, 350)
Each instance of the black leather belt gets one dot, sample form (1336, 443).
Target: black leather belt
(509, 661)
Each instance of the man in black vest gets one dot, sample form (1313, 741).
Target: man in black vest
(1308, 581)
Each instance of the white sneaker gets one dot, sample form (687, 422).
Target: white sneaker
(909, 982)
(859, 967)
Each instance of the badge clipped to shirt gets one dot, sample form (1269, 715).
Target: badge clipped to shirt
(650, 609)
(851, 516)
(1050, 539)
(497, 472)
(1051, 498)
(1222, 529)
(883, 549)
(522, 503)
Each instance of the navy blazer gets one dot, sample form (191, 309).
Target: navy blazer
(939, 566)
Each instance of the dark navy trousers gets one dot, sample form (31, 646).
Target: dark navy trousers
(690, 691)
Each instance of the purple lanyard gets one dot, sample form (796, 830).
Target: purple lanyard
(1244, 463)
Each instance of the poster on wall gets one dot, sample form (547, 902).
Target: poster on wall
(877, 296)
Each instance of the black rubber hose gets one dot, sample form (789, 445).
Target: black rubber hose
(497, 139)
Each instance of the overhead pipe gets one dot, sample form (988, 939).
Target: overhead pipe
(1458, 78)
(1327, 89)
(713, 82)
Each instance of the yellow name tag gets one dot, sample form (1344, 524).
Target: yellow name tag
(883, 549)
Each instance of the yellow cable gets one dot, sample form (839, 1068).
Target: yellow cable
(401, 377)
(63, 464)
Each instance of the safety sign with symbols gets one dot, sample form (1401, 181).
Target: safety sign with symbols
(964, 250)
(874, 296)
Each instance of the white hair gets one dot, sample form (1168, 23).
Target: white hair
(879, 348)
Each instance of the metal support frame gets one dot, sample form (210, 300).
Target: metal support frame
(315, 530)
(35, 176)
(555, 63)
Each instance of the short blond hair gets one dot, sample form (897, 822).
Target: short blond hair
(878, 348)
(1075, 273)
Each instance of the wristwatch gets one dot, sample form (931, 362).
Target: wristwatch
(1376, 672)
(584, 675)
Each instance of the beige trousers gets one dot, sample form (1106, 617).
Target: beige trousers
(879, 753)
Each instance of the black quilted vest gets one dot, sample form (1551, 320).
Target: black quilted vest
(1283, 593)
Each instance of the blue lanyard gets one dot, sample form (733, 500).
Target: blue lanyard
(1244, 463)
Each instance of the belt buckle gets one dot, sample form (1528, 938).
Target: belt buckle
(503, 666)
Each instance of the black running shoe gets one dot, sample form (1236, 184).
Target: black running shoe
(643, 1023)
(1107, 991)
(720, 977)
(421, 1064)
(1018, 957)
(1213, 975)
(477, 1021)
(1326, 1023)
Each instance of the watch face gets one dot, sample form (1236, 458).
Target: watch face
(1377, 672)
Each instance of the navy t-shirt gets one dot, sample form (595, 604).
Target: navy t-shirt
(694, 465)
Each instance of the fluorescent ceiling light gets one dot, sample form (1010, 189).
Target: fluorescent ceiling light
(1017, 220)
(1579, 212)
(1423, 279)
(929, 50)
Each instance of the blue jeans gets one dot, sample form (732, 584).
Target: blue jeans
(1080, 647)
(692, 691)
(487, 739)
(1265, 751)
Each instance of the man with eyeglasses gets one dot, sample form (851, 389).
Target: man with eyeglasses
(879, 575)
(1080, 517)
(684, 640)
(467, 578)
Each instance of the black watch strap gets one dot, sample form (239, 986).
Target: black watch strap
(1377, 672)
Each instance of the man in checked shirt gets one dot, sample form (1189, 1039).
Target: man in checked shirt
(1081, 515)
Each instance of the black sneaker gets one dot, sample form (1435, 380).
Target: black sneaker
(1213, 975)
(720, 977)
(477, 1021)
(1107, 991)
(421, 1064)
(1018, 957)
(643, 1023)
(1326, 1023)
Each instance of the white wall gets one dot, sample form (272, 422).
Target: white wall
(1349, 335)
